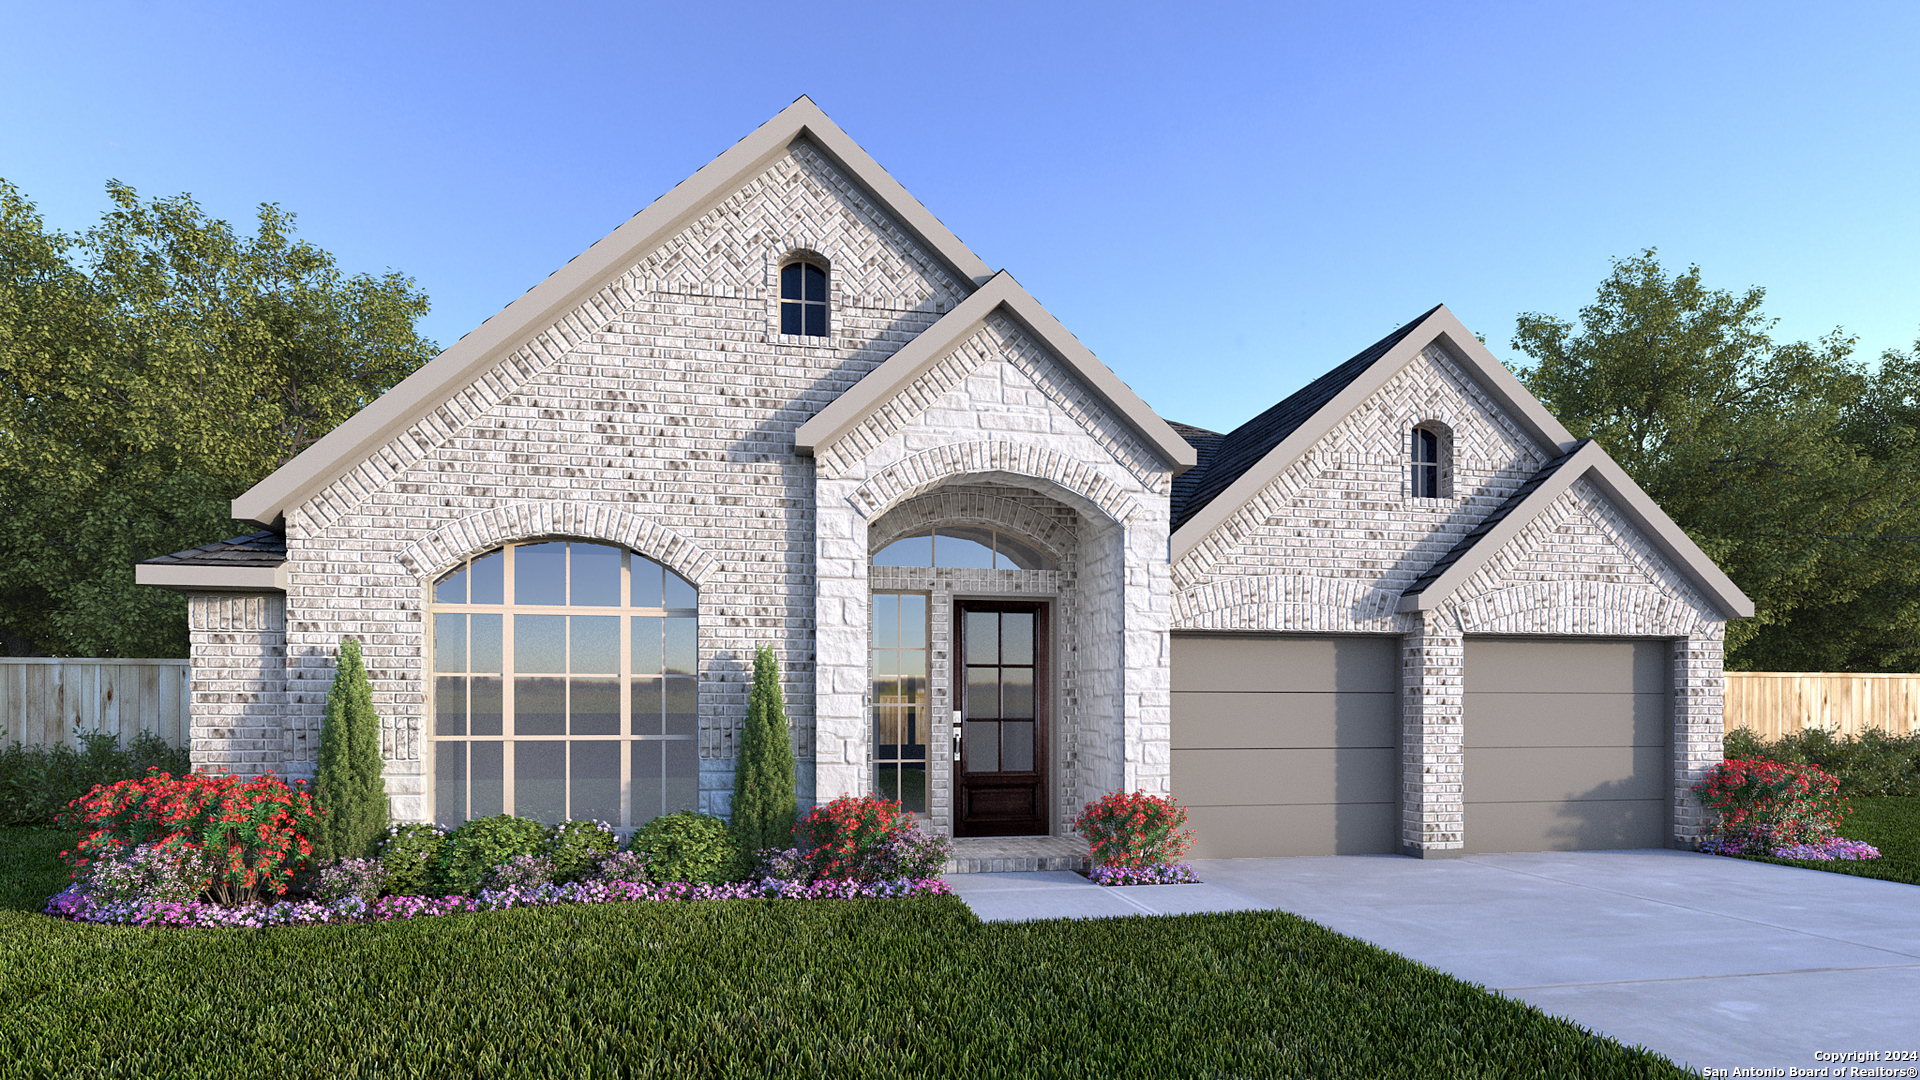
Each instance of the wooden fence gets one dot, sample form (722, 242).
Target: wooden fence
(46, 700)
(1776, 703)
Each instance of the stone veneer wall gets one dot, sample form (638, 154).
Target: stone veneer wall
(1330, 545)
(1000, 410)
(239, 681)
(669, 396)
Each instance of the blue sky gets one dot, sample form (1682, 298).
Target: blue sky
(1221, 200)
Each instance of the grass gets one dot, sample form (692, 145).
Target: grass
(1888, 822)
(749, 988)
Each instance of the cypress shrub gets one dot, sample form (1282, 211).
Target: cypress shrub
(763, 796)
(347, 783)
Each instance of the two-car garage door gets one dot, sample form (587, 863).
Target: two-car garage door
(1288, 745)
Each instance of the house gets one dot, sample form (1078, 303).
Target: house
(1401, 611)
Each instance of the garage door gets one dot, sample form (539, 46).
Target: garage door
(1566, 745)
(1286, 745)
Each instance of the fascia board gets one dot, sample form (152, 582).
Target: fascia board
(1507, 391)
(1289, 449)
(1500, 535)
(267, 502)
(1640, 510)
(887, 381)
(193, 579)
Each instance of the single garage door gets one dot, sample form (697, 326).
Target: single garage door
(1286, 745)
(1566, 745)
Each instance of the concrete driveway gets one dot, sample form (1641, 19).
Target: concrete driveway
(1717, 963)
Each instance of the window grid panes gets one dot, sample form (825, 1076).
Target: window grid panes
(1000, 669)
(1426, 464)
(565, 685)
(900, 718)
(803, 299)
(958, 547)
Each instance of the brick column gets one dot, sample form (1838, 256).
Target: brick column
(1431, 704)
(239, 647)
(1699, 698)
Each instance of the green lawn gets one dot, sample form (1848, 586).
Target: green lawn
(1888, 822)
(748, 988)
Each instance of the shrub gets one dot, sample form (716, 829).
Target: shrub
(1769, 804)
(574, 847)
(622, 866)
(480, 845)
(1871, 763)
(347, 782)
(763, 788)
(689, 846)
(362, 879)
(37, 782)
(164, 873)
(521, 872)
(410, 855)
(256, 833)
(853, 839)
(1134, 829)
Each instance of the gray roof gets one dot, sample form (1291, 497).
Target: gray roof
(1491, 521)
(1229, 456)
(262, 548)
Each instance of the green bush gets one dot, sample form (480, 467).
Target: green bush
(763, 786)
(690, 846)
(347, 783)
(411, 855)
(37, 782)
(1872, 763)
(575, 846)
(482, 844)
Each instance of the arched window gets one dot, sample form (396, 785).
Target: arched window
(962, 548)
(1426, 463)
(803, 299)
(565, 685)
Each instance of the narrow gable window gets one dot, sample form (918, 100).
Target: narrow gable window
(803, 299)
(1426, 464)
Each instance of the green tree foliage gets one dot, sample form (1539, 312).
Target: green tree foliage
(1789, 464)
(763, 795)
(347, 783)
(151, 369)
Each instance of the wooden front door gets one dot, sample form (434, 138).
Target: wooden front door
(1002, 686)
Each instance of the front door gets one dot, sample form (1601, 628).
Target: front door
(1001, 686)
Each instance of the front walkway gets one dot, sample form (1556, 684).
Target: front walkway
(1717, 963)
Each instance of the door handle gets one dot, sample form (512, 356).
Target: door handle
(956, 734)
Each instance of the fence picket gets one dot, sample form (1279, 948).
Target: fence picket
(1776, 703)
(49, 699)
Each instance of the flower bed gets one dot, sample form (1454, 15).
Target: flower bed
(1133, 838)
(1157, 874)
(1820, 850)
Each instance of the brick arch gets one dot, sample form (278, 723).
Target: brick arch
(1288, 602)
(442, 548)
(1576, 608)
(938, 507)
(1084, 486)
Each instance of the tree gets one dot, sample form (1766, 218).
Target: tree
(1767, 454)
(763, 792)
(347, 783)
(151, 369)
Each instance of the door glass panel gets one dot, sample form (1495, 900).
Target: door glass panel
(486, 795)
(594, 576)
(449, 642)
(540, 574)
(1016, 747)
(983, 693)
(1016, 692)
(983, 637)
(540, 643)
(594, 648)
(540, 781)
(594, 768)
(1016, 637)
(450, 705)
(594, 707)
(539, 706)
(485, 643)
(484, 711)
(982, 744)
